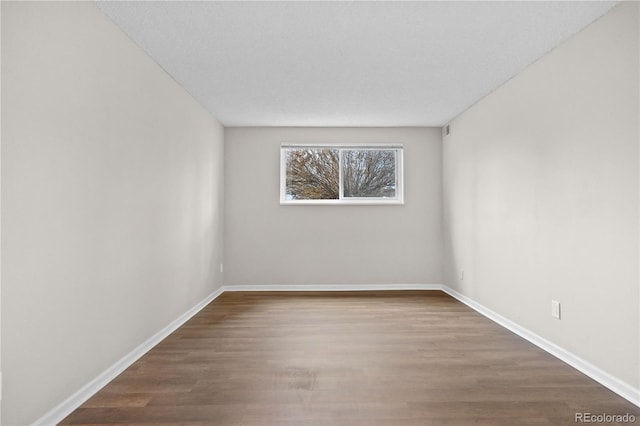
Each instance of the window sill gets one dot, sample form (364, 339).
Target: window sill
(342, 203)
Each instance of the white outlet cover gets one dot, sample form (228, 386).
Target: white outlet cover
(555, 309)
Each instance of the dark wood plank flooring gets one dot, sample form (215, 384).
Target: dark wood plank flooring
(346, 358)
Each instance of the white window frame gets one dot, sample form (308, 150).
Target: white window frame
(397, 200)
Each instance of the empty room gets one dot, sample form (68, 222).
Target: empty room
(319, 213)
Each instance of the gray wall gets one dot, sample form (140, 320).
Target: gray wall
(266, 243)
(541, 196)
(111, 201)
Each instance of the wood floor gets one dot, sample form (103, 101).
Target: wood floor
(361, 358)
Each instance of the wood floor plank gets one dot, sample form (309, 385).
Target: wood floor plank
(345, 358)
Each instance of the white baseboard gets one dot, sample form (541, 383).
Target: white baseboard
(65, 408)
(331, 287)
(616, 385)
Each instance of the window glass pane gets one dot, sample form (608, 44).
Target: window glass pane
(312, 174)
(369, 173)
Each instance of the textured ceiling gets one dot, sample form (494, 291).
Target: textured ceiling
(346, 63)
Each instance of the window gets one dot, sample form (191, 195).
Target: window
(341, 174)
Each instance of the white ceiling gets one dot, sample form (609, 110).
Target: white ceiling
(346, 63)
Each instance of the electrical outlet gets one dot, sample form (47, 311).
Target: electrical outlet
(555, 309)
(221, 267)
(462, 275)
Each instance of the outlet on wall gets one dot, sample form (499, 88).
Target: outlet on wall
(221, 267)
(462, 275)
(555, 309)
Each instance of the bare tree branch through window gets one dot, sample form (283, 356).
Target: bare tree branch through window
(312, 174)
(337, 173)
(369, 173)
